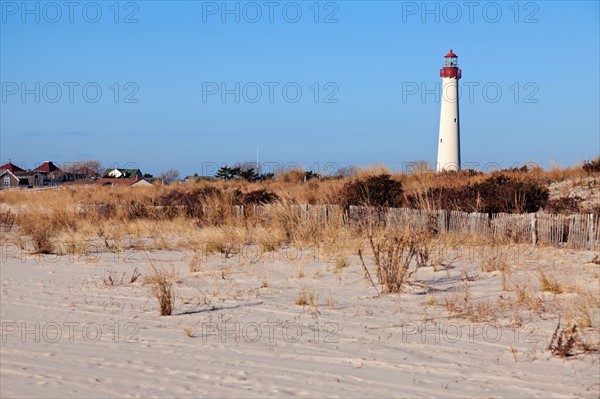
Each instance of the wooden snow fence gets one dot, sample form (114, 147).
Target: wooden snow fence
(580, 231)
(320, 213)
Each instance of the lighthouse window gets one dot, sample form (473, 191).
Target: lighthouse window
(454, 119)
(440, 140)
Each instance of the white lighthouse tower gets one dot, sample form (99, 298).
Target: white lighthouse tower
(449, 144)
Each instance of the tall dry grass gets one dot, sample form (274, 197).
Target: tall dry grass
(397, 255)
(187, 216)
(161, 287)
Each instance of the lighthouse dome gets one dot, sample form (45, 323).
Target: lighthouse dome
(450, 69)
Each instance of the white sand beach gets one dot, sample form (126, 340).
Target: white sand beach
(238, 332)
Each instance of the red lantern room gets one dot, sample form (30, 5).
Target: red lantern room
(450, 69)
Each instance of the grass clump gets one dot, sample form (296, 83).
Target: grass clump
(161, 287)
(431, 301)
(331, 302)
(341, 263)
(189, 332)
(195, 261)
(7, 219)
(45, 227)
(269, 246)
(568, 341)
(302, 299)
(550, 284)
(306, 297)
(394, 251)
(213, 247)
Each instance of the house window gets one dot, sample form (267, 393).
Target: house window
(6, 181)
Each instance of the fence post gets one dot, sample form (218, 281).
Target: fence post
(592, 240)
(534, 234)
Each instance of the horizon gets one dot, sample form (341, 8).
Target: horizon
(209, 169)
(191, 85)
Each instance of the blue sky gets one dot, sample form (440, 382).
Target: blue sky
(533, 69)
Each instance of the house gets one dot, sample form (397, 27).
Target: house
(47, 174)
(116, 173)
(122, 177)
(85, 173)
(9, 180)
(121, 182)
(11, 167)
(20, 177)
(53, 174)
(48, 167)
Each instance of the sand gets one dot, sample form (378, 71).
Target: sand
(238, 332)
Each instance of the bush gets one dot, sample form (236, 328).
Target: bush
(591, 166)
(258, 197)
(187, 202)
(568, 341)
(381, 191)
(494, 195)
(595, 209)
(503, 194)
(564, 205)
(394, 252)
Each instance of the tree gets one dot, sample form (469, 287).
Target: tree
(249, 175)
(245, 172)
(90, 166)
(346, 171)
(169, 176)
(266, 176)
(225, 173)
(310, 175)
(249, 171)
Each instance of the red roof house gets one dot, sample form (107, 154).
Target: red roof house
(47, 167)
(11, 167)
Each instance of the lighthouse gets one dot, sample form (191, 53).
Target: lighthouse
(449, 141)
